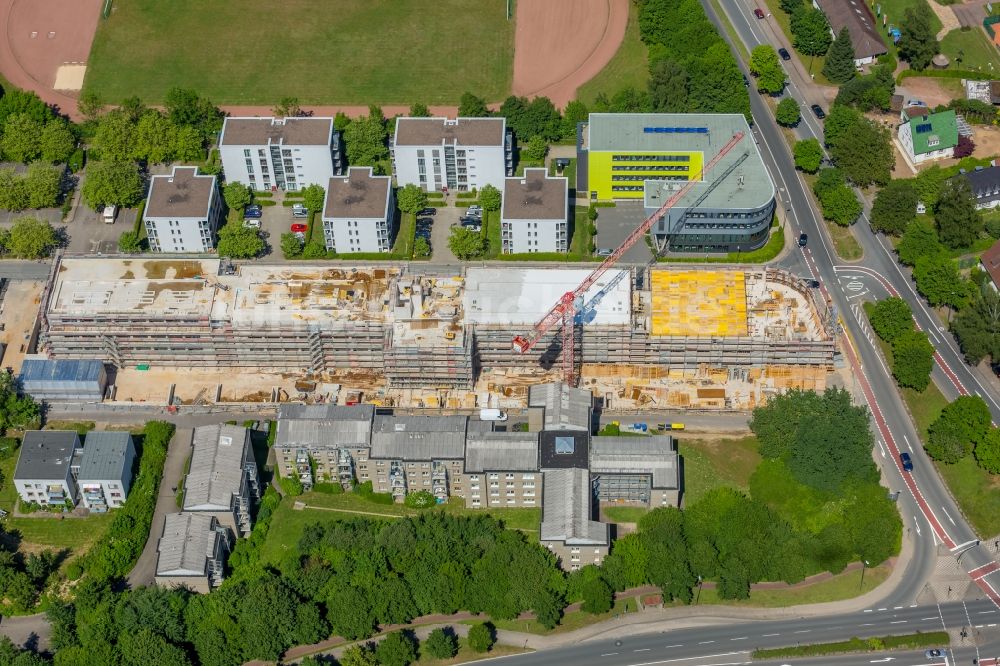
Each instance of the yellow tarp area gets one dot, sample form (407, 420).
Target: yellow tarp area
(699, 303)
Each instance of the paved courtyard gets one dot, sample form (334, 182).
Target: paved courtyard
(615, 224)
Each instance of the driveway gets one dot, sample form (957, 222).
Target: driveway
(30, 631)
(615, 224)
(277, 220)
(173, 469)
(445, 219)
(89, 234)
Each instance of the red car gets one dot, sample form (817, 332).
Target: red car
(759, 13)
(299, 227)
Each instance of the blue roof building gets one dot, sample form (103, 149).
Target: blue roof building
(45, 379)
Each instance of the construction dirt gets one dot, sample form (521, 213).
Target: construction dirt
(18, 313)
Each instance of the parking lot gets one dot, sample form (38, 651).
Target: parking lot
(615, 224)
(88, 233)
(277, 220)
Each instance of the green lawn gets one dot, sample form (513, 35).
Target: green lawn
(761, 255)
(628, 67)
(569, 173)
(405, 236)
(846, 244)
(346, 52)
(977, 52)
(709, 464)
(842, 586)
(77, 534)
(579, 245)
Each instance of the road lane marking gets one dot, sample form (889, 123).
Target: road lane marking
(609, 654)
(705, 656)
(905, 439)
(898, 622)
(673, 646)
(641, 650)
(769, 635)
(705, 642)
(802, 631)
(925, 619)
(741, 638)
(867, 624)
(986, 612)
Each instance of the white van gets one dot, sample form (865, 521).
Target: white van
(492, 415)
(109, 214)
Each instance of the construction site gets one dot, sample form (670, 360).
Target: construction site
(210, 331)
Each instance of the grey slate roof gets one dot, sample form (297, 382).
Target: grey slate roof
(46, 454)
(216, 467)
(462, 131)
(188, 541)
(566, 408)
(566, 510)
(985, 184)
(419, 437)
(535, 196)
(326, 412)
(183, 193)
(104, 456)
(265, 131)
(358, 194)
(501, 452)
(636, 455)
(317, 426)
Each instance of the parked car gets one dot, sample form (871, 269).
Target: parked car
(424, 220)
(426, 211)
(466, 221)
(907, 461)
(298, 210)
(934, 652)
(818, 111)
(475, 210)
(758, 12)
(603, 252)
(252, 213)
(803, 239)
(251, 224)
(785, 55)
(299, 228)
(109, 213)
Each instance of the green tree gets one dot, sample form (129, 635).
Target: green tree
(21, 141)
(988, 451)
(13, 191)
(154, 138)
(938, 280)
(314, 197)
(237, 195)
(57, 142)
(147, 648)
(928, 183)
(575, 112)
(185, 108)
(32, 238)
(597, 596)
(810, 31)
(788, 112)
(441, 644)
(839, 65)
(765, 66)
(864, 152)
(838, 125)
(890, 318)
(90, 105)
(188, 144)
(958, 222)
(791, 6)
(873, 523)
(895, 207)
(912, 360)
(918, 42)
(668, 84)
(287, 107)
(977, 326)
(421, 248)
(536, 149)
(470, 106)
(129, 243)
(481, 637)
(808, 155)
(418, 110)
(358, 655)
(919, 240)
(366, 143)
(411, 198)
(42, 183)
(114, 183)
(490, 198)
(870, 92)
(239, 242)
(291, 245)
(837, 201)
(14, 101)
(962, 424)
(466, 244)
(396, 649)
(113, 138)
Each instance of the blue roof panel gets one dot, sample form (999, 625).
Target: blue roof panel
(61, 370)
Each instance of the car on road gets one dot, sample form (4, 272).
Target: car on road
(907, 461)
(426, 211)
(783, 52)
(746, 81)
(818, 111)
(603, 252)
(814, 284)
(758, 12)
(803, 239)
(934, 652)
(299, 228)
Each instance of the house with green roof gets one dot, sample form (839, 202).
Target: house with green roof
(929, 137)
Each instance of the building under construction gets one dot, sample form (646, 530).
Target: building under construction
(401, 329)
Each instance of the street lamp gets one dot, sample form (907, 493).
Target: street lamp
(864, 565)
(699, 591)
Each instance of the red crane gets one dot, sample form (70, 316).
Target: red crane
(565, 309)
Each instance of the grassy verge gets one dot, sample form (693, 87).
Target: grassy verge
(734, 37)
(80, 427)
(466, 654)
(403, 246)
(844, 242)
(628, 67)
(908, 641)
(493, 237)
(845, 585)
(759, 256)
(570, 622)
(710, 464)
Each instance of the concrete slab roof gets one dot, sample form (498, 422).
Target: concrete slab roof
(654, 455)
(283, 131)
(105, 455)
(460, 132)
(182, 194)
(46, 455)
(359, 194)
(535, 196)
(501, 452)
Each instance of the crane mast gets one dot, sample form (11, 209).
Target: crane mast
(564, 309)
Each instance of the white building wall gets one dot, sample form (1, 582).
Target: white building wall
(534, 235)
(485, 165)
(254, 166)
(357, 235)
(36, 490)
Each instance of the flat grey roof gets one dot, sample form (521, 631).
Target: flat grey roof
(183, 193)
(501, 452)
(326, 412)
(566, 510)
(46, 454)
(358, 194)
(285, 131)
(322, 433)
(216, 467)
(188, 541)
(654, 455)
(566, 408)
(462, 131)
(419, 437)
(535, 196)
(104, 456)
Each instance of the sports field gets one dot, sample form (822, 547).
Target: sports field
(350, 52)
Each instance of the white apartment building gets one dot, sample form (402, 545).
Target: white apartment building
(359, 212)
(458, 155)
(44, 472)
(105, 474)
(182, 212)
(280, 153)
(534, 213)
